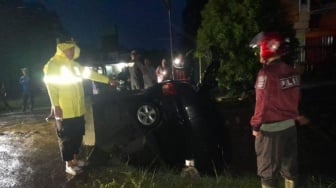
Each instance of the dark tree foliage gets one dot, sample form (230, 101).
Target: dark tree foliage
(271, 16)
(229, 25)
(27, 39)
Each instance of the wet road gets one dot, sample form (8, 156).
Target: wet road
(29, 155)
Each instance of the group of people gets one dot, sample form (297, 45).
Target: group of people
(273, 122)
(180, 69)
(141, 74)
(63, 77)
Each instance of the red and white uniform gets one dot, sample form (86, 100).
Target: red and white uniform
(277, 94)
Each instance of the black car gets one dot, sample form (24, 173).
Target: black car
(170, 122)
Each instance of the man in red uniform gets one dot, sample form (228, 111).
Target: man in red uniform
(273, 124)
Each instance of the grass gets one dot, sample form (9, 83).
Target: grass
(122, 175)
(118, 174)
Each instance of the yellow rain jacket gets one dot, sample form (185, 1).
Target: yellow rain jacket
(63, 78)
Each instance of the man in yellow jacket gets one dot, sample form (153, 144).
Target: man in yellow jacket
(63, 77)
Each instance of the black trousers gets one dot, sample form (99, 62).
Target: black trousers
(70, 133)
(4, 101)
(27, 101)
(277, 155)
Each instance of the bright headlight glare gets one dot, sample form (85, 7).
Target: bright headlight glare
(86, 72)
(177, 61)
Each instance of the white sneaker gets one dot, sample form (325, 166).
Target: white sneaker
(73, 170)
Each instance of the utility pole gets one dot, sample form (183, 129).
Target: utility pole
(168, 6)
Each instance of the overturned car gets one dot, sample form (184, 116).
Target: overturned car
(170, 122)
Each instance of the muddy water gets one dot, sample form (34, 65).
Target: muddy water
(29, 154)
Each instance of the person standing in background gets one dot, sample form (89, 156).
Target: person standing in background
(162, 71)
(135, 68)
(3, 97)
(27, 90)
(149, 76)
(178, 68)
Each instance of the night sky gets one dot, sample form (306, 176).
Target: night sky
(141, 23)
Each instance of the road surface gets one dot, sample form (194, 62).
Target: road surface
(29, 154)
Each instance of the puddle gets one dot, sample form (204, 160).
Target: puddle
(29, 154)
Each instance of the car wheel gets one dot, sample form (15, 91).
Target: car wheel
(148, 115)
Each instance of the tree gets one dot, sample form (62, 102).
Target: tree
(229, 25)
(27, 38)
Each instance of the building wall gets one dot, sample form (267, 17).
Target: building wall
(315, 26)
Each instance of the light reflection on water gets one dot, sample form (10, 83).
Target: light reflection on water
(11, 163)
(29, 154)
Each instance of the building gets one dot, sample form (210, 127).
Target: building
(315, 25)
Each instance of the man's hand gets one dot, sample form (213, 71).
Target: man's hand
(302, 120)
(113, 83)
(256, 133)
(58, 113)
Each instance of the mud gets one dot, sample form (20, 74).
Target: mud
(29, 155)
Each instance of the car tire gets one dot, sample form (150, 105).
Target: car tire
(148, 115)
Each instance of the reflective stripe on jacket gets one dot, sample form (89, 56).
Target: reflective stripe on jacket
(63, 78)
